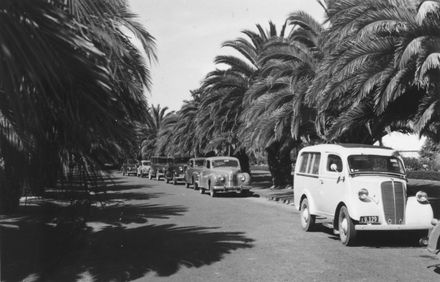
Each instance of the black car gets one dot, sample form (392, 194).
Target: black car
(175, 171)
(129, 167)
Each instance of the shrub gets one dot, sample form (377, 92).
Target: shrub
(422, 174)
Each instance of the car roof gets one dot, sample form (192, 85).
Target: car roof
(198, 159)
(350, 149)
(221, 158)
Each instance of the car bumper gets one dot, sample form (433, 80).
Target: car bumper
(230, 188)
(391, 227)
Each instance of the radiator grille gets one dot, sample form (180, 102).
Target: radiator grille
(393, 200)
(234, 180)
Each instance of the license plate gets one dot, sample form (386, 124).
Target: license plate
(369, 219)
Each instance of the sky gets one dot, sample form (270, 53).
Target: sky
(189, 35)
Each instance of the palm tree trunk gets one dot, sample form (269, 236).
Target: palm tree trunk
(280, 164)
(244, 160)
(10, 180)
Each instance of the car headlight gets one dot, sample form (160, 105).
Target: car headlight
(364, 195)
(243, 178)
(221, 178)
(422, 197)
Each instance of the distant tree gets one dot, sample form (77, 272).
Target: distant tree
(149, 132)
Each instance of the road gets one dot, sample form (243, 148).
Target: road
(171, 233)
(153, 231)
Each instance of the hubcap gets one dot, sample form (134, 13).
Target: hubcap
(344, 225)
(305, 215)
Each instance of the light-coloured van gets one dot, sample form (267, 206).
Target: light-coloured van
(355, 188)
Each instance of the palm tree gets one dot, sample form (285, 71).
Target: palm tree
(223, 93)
(150, 131)
(277, 117)
(379, 71)
(183, 135)
(72, 81)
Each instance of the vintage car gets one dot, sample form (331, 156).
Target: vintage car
(434, 238)
(175, 171)
(355, 188)
(223, 174)
(158, 167)
(192, 172)
(143, 168)
(129, 167)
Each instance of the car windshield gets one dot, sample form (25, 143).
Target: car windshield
(131, 162)
(145, 162)
(375, 163)
(199, 162)
(225, 163)
(180, 160)
(162, 160)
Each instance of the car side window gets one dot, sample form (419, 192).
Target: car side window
(208, 164)
(309, 163)
(334, 159)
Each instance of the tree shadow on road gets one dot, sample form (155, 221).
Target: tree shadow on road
(57, 241)
(386, 239)
(114, 253)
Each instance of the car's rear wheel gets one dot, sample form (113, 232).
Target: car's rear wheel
(307, 219)
(186, 184)
(347, 232)
(174, 181)
(167, 180)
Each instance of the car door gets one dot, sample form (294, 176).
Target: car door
(332, 183)
(204, 174)
(189, 171)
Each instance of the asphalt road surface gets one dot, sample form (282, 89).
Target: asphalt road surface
(172, 233)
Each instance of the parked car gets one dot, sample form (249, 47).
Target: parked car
(192, 172)
(223, 174)
(158, 167)
(356, 188)
(143, 168)
(434, 238)
(175, 171)
(129, 167)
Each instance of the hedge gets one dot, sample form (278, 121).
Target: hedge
(424, 174)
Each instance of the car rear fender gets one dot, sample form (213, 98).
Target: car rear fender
(312, 206)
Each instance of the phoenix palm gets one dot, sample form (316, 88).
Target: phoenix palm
(64, 94)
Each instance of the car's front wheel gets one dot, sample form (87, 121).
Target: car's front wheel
(307, 219)
(211, 191)
(201, 189)
(347, 232)
(174, 181)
